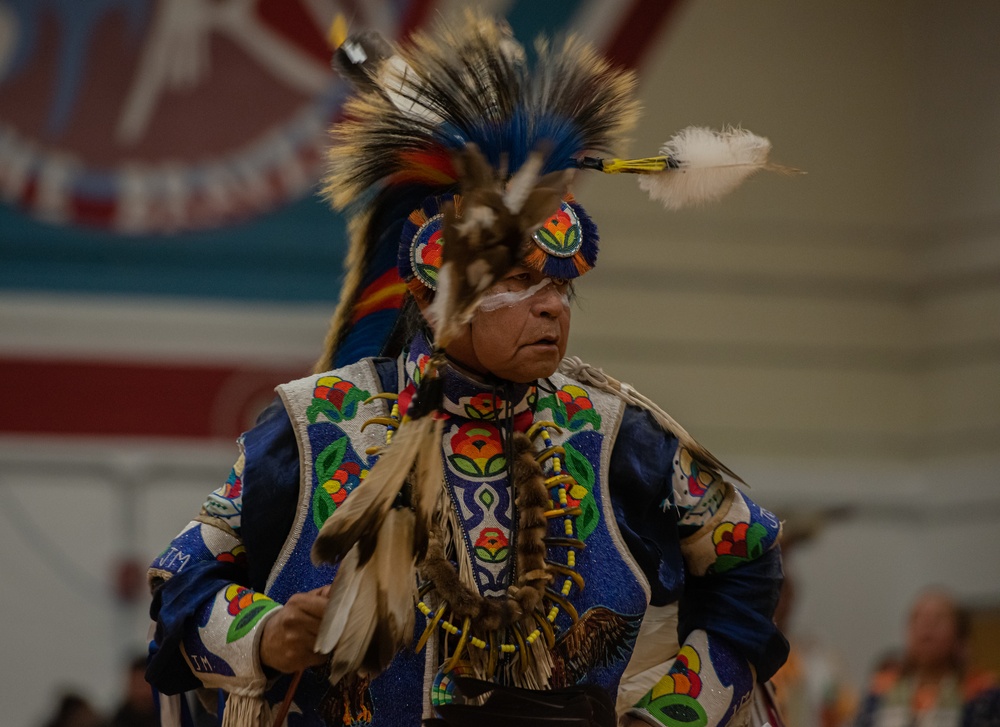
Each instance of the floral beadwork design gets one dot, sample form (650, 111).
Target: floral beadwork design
(482, 406)
(581, 492)
(416, 368)
(247, 608)
(237, 555)
(477, 451)
(487, 406)
(422, 238)
(492, 545)
(336, 399)
(337, 479)
(673, 700)
(426, 251)
(684, 674)
(571, 408)
(737, 543)
(560, 235)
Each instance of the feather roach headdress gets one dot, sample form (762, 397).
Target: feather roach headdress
(408, 138)
(452, 164)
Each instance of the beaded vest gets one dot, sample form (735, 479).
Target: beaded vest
(594, 627)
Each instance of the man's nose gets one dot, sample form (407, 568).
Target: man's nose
(548, 301)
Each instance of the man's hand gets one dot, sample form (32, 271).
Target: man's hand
(289, 635)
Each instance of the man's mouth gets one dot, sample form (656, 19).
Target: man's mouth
(546, 341)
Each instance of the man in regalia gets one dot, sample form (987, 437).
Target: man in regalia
(449, 520)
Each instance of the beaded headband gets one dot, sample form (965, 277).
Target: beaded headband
(565, 246)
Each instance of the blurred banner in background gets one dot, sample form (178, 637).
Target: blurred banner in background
(173, 149)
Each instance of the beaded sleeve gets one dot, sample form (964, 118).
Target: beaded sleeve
(220, 634)
(725, 541)
(721, 528)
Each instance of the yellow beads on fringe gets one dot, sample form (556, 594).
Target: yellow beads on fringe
(559, 481)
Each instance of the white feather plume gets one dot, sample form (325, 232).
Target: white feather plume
(705, 165)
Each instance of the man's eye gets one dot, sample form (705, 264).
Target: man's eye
(518, 278)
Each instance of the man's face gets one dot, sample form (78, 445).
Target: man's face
(521, 329)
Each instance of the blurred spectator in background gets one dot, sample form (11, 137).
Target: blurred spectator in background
(137, 708)
(931, 685)
(73, 710)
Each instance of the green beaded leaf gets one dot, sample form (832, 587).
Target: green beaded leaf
(247, 618)
(572, 238)
(465, 465)
(498, 557)
(756, 533)
(589, 517)
(322, 506)
(349, 407)
(583, 417)
(330, 459)
(324, 407)
(548, 239)
(557, 406)
(579, 467)
(725, 563)
(474, 413)
(427, 272)
(495, 465)
(675, 710)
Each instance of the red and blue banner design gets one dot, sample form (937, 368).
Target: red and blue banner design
(155, 117)
(173, 148)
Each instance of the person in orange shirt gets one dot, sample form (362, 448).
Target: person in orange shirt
(931, 686)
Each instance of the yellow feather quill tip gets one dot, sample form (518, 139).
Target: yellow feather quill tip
(649, 165)
(338, 31)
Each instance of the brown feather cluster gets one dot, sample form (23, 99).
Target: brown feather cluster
(488, 238)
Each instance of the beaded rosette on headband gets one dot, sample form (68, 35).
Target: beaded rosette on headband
(453, 164)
